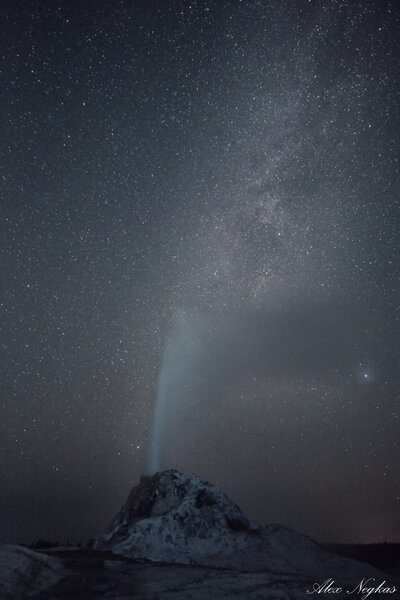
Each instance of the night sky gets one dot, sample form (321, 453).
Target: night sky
(220, 178)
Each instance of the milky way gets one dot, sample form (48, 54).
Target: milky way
(234, 163)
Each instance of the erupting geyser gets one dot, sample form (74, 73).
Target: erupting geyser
(176, 367)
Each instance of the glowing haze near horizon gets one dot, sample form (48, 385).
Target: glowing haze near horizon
(215, 183)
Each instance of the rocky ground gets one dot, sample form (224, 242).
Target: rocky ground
(97, 575)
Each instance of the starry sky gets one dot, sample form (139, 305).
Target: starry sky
(223, 175)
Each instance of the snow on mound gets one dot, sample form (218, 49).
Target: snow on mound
(24, 572)
(178, 518)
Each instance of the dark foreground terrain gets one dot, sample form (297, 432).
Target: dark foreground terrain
(94, 574)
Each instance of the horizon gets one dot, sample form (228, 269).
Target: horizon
(40, 542)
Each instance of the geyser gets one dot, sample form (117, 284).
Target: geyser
(176, 368)
(218, 372)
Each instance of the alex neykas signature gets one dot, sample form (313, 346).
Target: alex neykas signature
(366, 587)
